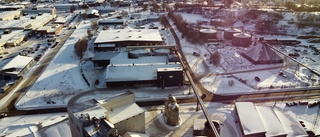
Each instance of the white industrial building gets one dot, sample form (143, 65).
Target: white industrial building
(262, 121)
(113, 116)
(123, 70)
(25, 22)
(271, 122)
(128, 37)
(250, 122)
(16, 67)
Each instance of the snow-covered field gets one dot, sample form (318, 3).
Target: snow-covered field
(60, 80)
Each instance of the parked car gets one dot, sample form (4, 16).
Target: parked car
(37, 58)
(55, 44)
(2, 115)
(257, 79)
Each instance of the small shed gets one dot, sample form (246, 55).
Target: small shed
(92, 13)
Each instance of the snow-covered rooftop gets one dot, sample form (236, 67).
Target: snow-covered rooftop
(26, 22)
(271, 121)
(93, 11)
(111, 21)
(249, 118)
(124, 112)
(18, 62)
(122, 58)
(60, 19)
(128, 35)
(209, 31)
(91, 107)
(8, 13)
(242, 35)
(262, 53)
(136, 72)
(291, 124)
(18, 37)
(6, 37)
(44, 28)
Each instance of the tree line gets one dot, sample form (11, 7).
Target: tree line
(191, 34)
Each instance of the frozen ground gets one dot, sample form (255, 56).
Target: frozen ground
(60, 80)
(56, 124)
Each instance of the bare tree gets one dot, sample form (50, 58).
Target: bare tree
(95, 25)
(89, 33)
(81, 46)
(215, 58)
(84, 16)
(231, 83)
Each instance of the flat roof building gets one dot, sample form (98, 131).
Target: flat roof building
(249, 119)
(123, 70)
(291, 124)
(128, 37)
(50, 29)
(256, 121)
(113, 116)
(9, 15)
(28, 22)
(271, 122)
(16, 67)
(16, 40)
(134, 73)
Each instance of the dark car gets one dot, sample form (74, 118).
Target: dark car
(55, 44)
(2, 115)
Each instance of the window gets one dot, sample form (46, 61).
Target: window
(170, 76)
